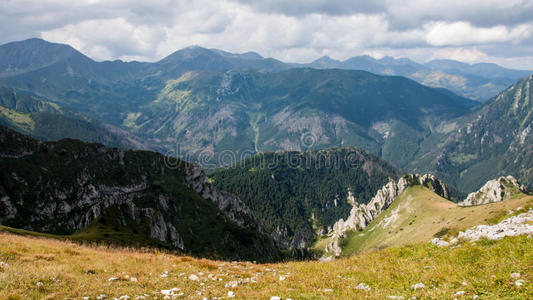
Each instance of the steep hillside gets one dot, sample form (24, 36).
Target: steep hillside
(44, 119)
(127, 197)
(494, 140)
(301, 195)
(298, 109)
(418, 215)
(363, 214)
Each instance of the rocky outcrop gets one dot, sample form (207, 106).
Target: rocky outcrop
(513, 226)
(233, 207)
(495, 190)
(362, 214)
(65, 186)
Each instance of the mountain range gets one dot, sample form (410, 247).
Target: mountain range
(480, 81)
(215, 108)
(294, 205)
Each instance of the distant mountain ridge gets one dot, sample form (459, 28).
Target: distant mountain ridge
(212, 101)
(475, 81)
(479, 81)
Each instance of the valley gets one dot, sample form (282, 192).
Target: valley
(208, 174)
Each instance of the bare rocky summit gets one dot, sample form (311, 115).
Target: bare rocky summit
(495, 190)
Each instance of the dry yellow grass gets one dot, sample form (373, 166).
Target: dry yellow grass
(418, 214)
(62, 267)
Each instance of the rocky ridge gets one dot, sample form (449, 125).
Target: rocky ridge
(232, 206)
(362, 214)
(67, 186)
(495, 190)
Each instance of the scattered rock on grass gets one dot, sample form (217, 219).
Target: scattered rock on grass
(459, 293)
(363, 287)
(519, 282)
(515, 275)
(231, 294)
(193, 277)
(232, 284)
(170, 292)
(513, 226)
(275, 298)
(418, 286)
(439, 242)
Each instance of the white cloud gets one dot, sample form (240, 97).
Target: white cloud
(295, 30)
(462, 33)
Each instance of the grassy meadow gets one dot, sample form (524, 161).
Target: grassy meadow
(41, 268)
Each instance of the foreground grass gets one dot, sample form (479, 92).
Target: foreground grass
(483, 269)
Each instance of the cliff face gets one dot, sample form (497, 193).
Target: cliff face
(67, 186)
(231, 206)
(495, 190)
(300, 195)
(362, 214)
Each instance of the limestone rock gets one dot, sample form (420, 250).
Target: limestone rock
(233, 207)
(439, 242)
(362, 214)
(494, 191)
(513, 226)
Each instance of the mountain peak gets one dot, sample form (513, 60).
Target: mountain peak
(32, 54)
(246, 55)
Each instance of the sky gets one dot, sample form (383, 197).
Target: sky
(499, 31)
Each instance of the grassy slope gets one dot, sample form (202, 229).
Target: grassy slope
(97, 233)
(61, 266)
(420, 215)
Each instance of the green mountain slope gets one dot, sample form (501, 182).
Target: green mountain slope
(494, 140)
(301, 195)
(44, 119)
(257, 111)
(130, 197)
(418, 215)
(210, 101)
